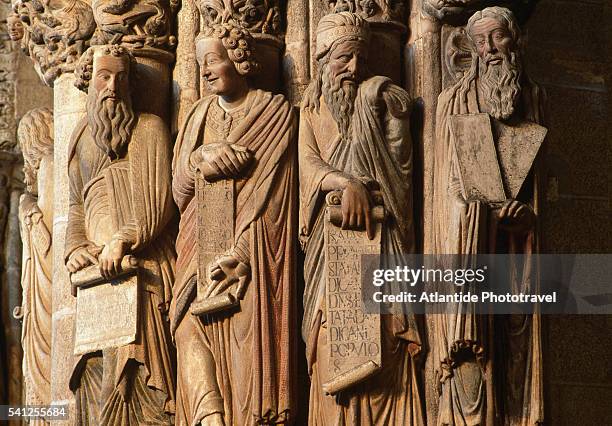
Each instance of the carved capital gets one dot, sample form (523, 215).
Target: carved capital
(55, 35)
(456, 12)
(372, 10)
(257, 16)
(135, 23)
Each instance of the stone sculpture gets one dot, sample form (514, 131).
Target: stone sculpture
(15, 27)
(489, 367)
(235, 183)
(35, 135)
(354, 138)
(121, 208)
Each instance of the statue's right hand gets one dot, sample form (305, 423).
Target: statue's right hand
(357, 207)
(221, 160)
(82, 257)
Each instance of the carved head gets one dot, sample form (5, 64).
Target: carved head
(226, 55)
(15, 27)
(342, 52)
(104, 71)
(493, 32)
(496, 61)
(35, 134)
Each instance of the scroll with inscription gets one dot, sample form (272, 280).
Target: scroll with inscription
(107, 310)
(354, 335)
(216, 211)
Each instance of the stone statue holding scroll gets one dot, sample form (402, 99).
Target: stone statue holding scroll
(35, 135)
(485, 201)
(121, 208)
(355, 156)
(235, 183)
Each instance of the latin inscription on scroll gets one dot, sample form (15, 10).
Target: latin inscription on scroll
(215, 238)
(354, 335)
(106, 315)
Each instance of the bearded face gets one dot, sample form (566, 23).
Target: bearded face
(109, 105)
(500, 83)
(499, 67)
(340, 78)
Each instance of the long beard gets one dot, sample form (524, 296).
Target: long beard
(501, 85)
(340, 98)
(111, 123)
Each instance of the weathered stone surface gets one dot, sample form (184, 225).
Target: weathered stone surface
(241, 141)
(345, 147)
(354, 336)
(106, 315)
(120, 206)
(465, 346)
(477, 161)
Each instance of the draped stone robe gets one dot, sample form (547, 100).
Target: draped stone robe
(380, 150)
(240, 363)
(129, 198)
(36, 218)
(503, 382)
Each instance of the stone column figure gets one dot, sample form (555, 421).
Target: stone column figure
(121, 204)
(235, 360)
(35, 135)
(489, 368)
(355, 135)
(14, 27)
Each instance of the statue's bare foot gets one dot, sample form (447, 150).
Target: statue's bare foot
(215, 419)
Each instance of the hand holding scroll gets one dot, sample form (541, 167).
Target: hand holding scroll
(110, 258)
(82, 257)
(356, 207)
(225, 273)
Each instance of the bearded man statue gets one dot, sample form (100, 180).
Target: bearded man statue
(121, 204)
(355, 133)
(489, 368)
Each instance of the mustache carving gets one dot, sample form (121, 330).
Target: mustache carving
(339, 94)
(111, 120)
(499, 77)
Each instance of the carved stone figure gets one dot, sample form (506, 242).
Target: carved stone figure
(15, 27)
(35, 135)
(256, 16)
(373, 10)
(56, 35)
(121, 208)
(136, 23)
(489, 367)
(235, 183)
(355, 137)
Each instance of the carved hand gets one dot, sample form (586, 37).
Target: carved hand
(516, 216)
(220, 160)
(357, 207)
(110, 258)
(226, 272)
(82, 257)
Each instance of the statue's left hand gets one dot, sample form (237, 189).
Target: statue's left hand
(109, 260)
(516, 216)
(226, 272)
